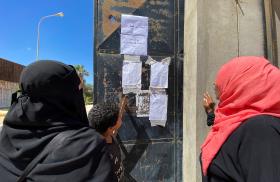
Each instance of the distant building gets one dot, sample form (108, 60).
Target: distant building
(9, 79)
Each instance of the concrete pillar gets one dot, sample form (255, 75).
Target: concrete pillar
(190, 165)
(276, 14)
(215, 31)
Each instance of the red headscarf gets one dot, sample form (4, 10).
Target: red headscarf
(248, 86)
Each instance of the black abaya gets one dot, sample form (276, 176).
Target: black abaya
(250, 154)
(51, 102)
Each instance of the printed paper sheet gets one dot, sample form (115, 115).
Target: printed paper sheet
(143, 103)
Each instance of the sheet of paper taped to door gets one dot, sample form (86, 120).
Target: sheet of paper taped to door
(134, 35)
(158, 107)
(131, 74)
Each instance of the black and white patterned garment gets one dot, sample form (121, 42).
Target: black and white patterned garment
(115, 155)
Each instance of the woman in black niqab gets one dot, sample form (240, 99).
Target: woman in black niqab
(50, 102)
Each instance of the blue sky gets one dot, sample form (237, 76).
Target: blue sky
(68, 39)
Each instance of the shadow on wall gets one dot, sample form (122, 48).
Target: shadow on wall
(276, 8)
(132, 157)
(276, 20)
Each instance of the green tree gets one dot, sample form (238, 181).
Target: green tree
(82, 72)
(88, 93)
(87, 88)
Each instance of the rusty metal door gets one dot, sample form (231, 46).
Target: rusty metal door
(149, 153)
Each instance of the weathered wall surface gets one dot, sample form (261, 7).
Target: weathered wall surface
(10, 71)
(9, 78)
(150, 153)
(215, 31)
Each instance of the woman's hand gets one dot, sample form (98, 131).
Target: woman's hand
(208, 103)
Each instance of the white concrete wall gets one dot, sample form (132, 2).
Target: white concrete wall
(215, 31)
(6, 90)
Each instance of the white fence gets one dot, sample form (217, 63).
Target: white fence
(6, 90)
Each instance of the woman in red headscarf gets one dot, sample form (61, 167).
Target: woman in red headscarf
(244, 142)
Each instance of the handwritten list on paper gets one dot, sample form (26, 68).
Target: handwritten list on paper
(159, 74)
(131, 74)
(158, 109)
(134, 35)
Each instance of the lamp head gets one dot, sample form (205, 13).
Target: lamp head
(61, 14)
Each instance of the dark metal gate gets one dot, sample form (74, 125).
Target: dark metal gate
(149, 153)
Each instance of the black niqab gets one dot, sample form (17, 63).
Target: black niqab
(50, 97)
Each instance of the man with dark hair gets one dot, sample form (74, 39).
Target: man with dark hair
(106, 118)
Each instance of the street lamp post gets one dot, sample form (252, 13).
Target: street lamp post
(61, 14)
